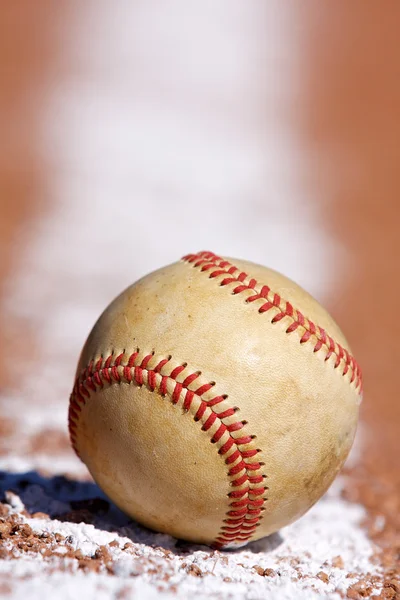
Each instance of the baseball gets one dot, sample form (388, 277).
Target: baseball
(215, 400)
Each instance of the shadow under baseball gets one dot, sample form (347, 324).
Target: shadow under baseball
(72, 501)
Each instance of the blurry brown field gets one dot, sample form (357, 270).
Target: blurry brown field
(347, 116)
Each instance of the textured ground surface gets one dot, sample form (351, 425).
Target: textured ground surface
(154, 135)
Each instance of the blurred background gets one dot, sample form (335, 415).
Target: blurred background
(135, 132)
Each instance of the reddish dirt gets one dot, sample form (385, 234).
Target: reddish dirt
(25, 68)
(30, 63)
(353, 116)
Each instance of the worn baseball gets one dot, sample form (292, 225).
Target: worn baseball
(215, 400)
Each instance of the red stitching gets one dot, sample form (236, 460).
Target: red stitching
(200, 411)
(210, 421)
(216, 400)
(232, 457)
(240, 480)
(188, 400)
(310, 333)
(163, 386)
(245, 505)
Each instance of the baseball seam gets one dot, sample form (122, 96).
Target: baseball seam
(186, 388)
(268, 300)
